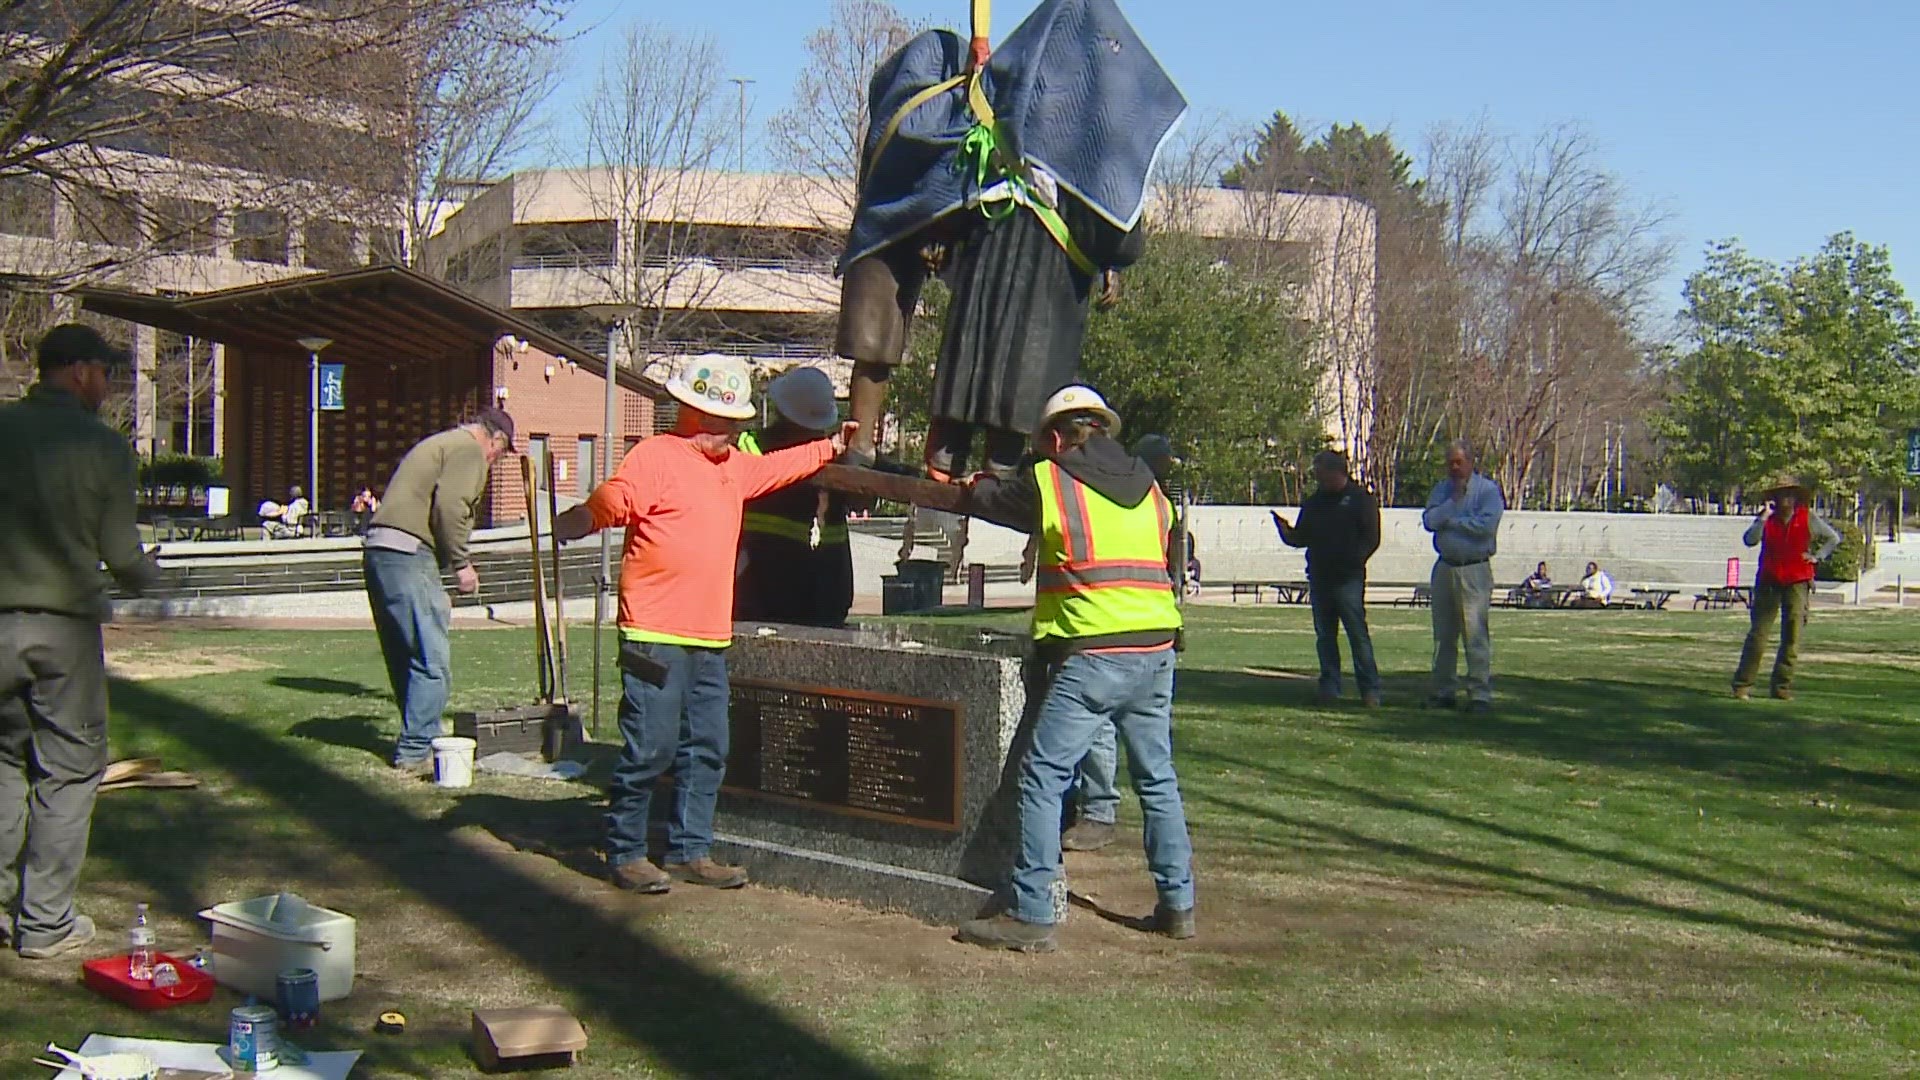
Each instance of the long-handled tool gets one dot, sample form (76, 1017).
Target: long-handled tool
(560, 695)
(543, 649)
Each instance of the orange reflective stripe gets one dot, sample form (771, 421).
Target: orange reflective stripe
(1073, 517)
(1076, 535)
(1083, 577)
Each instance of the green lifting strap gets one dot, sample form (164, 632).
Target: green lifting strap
(981, 146)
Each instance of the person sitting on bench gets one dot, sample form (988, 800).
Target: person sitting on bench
(1596, 589)
(1534, 590)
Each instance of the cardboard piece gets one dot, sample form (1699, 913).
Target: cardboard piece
(527, 1037)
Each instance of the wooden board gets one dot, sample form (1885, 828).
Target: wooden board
(848, 480)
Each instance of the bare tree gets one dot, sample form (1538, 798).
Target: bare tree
(652, 133)
(1555, 269)
(469, 85)
(821, 135)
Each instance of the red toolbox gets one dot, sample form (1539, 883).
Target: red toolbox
(110, 977)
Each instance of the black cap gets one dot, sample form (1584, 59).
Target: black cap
(496, 420)
(77, 343)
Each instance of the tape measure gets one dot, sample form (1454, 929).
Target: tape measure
(391, 1023)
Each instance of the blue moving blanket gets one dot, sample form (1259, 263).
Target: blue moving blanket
(1076, 91)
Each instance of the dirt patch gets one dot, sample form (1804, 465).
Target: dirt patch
(146, 664)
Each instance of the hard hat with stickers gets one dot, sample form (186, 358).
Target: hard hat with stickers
(717, 385)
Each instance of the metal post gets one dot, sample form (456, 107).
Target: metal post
(603, 580)
(313, 345)
(190, 401)
(741, 154)
(313, 430)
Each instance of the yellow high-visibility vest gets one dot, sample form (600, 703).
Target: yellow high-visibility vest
(787, 528)
(1102, 567)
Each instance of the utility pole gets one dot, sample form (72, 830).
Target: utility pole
(740, 156)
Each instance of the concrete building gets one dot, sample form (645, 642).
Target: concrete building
(272, 183)
(743, 263)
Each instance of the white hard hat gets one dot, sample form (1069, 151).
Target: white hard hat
(804, 395)
(716, 385)
(1073, 399)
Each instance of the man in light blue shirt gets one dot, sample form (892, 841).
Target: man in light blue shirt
(1463, 514)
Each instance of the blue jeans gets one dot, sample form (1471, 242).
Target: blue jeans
(1134, 692)
(682, 726)
(410, 613)
(1337, 604)
(1099, 788)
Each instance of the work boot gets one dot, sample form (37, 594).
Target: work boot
(1087, 836)
(1327, 699)
(1370, 699)
(1783, 693)
(1009, 933)
(1442, 701)
(1481, 708)
(1742, 693)
(709, 873)
(1176, 924)
(418, 767)
(78, 936)
(640, 876)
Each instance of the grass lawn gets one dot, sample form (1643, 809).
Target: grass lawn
(1622, 871)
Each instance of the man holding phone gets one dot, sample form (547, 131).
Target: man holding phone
(1340, 528)
(1793, 541)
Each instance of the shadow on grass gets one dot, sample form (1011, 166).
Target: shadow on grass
(313, 685)
(1677, 730)
(695, 1021)
(357, 732)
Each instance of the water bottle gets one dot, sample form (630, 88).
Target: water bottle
(140, 941)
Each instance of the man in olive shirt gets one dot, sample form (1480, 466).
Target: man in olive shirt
(423, 525)
(66, 507)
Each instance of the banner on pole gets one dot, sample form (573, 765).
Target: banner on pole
(333, 387)
(1913, 452)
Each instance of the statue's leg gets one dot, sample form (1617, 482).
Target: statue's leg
(1005, 449)
(949, 444)
(877, 298)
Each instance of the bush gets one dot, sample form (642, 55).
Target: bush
(1852, 558)
(178, 472)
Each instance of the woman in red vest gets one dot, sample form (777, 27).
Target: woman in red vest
(1792, 542)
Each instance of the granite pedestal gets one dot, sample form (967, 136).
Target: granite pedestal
(949, 705)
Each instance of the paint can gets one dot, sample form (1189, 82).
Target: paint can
(299, 998)
(253, 1039)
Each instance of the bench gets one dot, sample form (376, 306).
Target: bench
(1723, 597)
(1422, 597)
(1284, 592)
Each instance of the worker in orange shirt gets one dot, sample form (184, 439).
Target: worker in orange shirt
(680, 497)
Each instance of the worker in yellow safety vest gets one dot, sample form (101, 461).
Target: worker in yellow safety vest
(796, 561)
(1104, 611)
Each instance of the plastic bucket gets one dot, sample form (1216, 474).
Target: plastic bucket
(453, 761)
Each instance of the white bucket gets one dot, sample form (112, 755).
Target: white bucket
(453, 761)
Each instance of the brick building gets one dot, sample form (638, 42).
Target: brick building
(418, 355)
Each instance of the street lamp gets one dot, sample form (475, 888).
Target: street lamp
(740, 155)
(313, 345)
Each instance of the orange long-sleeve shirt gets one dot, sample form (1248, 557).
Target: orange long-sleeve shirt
(682, 513)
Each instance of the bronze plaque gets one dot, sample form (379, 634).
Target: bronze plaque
(849, 751)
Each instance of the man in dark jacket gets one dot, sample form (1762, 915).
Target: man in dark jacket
(797, 556)
(66, 509)
(1104, 610)
(1340, 528)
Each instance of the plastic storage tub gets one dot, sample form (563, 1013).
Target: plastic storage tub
(255, 940)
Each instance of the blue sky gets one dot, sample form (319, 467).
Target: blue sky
(1776, 122)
